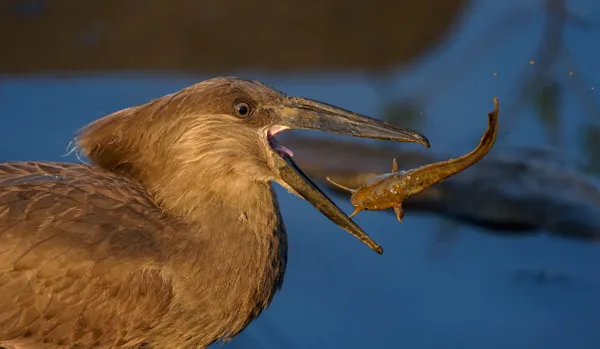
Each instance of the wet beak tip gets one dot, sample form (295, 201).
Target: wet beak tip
(378, 249)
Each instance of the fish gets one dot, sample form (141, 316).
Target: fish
(389, 190)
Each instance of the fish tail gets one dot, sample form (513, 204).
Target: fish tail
(439, 171)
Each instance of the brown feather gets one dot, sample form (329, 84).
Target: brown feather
(172, 238)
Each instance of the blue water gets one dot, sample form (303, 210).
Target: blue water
(423, 292)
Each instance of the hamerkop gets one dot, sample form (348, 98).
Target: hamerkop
(173, 237)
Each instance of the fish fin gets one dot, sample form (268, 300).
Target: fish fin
(399, 212)
(394, 165)
(339, 185)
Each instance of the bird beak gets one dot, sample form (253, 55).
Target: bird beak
(306, 114)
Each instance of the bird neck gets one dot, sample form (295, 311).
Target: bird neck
(239, 243)
(230, 249)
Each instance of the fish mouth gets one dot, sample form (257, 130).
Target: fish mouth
(299, 113)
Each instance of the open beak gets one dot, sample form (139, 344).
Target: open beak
(300, 113)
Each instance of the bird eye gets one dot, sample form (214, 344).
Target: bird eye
(242, 109)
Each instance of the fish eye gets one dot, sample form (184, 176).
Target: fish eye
(242, 109)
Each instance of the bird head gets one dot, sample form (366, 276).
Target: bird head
(224, 129)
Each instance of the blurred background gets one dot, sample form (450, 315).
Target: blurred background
(503, 255)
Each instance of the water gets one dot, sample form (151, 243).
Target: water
(422, 293)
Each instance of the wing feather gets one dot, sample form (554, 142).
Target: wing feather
(79, 263)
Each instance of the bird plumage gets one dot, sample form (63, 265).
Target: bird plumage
(172, 237)
(87, 259)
